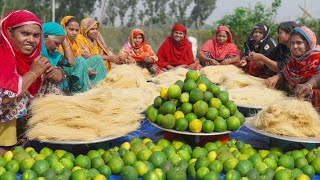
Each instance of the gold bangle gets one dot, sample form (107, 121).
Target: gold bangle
(34, 74)
(309, 85)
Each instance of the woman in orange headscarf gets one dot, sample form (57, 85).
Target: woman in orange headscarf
(92, 42)
(136, 50)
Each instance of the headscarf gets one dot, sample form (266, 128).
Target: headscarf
(265, 44)
(75, 47)
(220, 51)
(137, 52)
(14, 64)
(51, 29)
(287, 26)
(301, 69)
(134, 33)
(85, 25)
(175, 53)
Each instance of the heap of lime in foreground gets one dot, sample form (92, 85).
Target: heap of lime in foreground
(161, 160)
(195, 105)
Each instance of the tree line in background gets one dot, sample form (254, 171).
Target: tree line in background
(156, 17)
(130, 12)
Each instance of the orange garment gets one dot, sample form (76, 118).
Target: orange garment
(95, 47)
(137, 52)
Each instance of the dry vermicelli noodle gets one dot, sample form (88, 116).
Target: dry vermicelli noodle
(168, 78)
(113, 108)
(235, 80)
(216, 73)
(124, 76)
(290, 118)
(101, 115)
(256, 96)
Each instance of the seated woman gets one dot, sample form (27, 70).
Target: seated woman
(136, 50)
(53, 36)
(303, 65)
(92, 42)
(22, 70)
(176, 51)
(259, 41)
(87, 72)
(278, 57)
(219, 50)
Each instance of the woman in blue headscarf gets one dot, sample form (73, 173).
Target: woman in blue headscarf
(76, 71)
(53, 36)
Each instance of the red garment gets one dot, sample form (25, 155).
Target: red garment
(301, 69)
(175, 53)
(220, 51)
(14, 64)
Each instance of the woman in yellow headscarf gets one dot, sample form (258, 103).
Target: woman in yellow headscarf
(88, 70)
(93, 43)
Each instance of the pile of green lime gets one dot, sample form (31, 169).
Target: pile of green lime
(195, 104)
(162, 160)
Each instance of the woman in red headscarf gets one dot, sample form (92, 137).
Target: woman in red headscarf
(21, 69)
(176, 51)
(136, 50)
(219, 50)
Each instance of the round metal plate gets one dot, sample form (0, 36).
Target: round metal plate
(81, 142)
(250, 126)
(190, 133)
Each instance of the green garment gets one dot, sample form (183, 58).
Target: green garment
(78, 76)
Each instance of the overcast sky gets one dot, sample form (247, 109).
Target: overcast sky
(289, 9)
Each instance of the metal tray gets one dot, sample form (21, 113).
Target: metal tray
(80, 142)
(190, 133)
(248, 111)
(250, 126)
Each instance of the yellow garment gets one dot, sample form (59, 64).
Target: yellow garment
(75, 46)
(8, 133)
(95, 47)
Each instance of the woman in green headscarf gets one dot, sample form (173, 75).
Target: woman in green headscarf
(76, 70)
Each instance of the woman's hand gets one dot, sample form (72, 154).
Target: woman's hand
(39, 65)
(130, 60)
(271, 82)
(252, 56)
(302, 90)
(54, 74)
(214, 62)
(148, 59)
(243, 62)
(225, 62)
(92, 72)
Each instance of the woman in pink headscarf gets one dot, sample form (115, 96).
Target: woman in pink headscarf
(176, 51)
(219, 50)
(296, 77)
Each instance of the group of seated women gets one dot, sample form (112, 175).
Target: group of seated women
(50, 58)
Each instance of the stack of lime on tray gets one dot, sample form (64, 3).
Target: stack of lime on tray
(195, 105)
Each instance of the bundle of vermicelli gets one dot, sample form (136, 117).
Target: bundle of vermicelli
(166, 79)
(233, 80)
(83, 117)
(216, 73)
(113, 108)
(124, 76)
(289, 117)
(255, 96)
